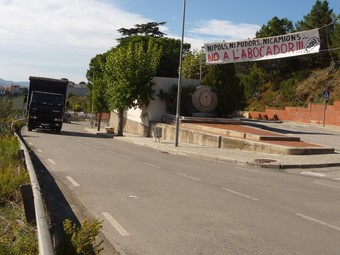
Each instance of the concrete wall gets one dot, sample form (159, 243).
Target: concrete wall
(137, 121)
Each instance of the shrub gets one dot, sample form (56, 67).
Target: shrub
(16, 236)
(81, 240)
(12, 170)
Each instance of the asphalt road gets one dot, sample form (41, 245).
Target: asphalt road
(157, 203)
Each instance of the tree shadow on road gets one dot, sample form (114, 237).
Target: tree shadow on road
(57, 206)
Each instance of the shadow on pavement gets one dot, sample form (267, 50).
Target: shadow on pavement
(57, 206)
(284, 131)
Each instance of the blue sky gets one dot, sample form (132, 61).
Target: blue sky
(58, 38)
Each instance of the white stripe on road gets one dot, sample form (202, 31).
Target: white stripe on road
(187, 176)
(97, 147)
(318, 221)
(240, 194)
(115, 224)
(126, 156)
(152, 165)
(328, 185)
(75, 184)
(51, 161)
(247, 169)
(40, 151)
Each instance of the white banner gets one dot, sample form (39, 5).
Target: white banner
(282, 46)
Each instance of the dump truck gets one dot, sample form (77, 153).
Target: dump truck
(46, 101)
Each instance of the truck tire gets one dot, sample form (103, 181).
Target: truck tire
(57, 130)
(29, 127)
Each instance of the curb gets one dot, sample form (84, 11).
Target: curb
(278, 166)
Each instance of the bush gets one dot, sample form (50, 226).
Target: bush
(12, 170)
(81, 240)
(16, 236)
(18, 239)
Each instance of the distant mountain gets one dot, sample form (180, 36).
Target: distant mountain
(20, 83)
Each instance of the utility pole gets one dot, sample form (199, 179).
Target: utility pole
(180, 78)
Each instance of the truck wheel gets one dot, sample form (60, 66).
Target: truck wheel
(29, 127)
(57, 130)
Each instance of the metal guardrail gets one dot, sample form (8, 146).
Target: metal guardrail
(43, 231)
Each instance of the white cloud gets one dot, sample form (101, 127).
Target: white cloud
(217, 30)
(58, 38)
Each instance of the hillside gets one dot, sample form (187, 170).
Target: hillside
(299, 92)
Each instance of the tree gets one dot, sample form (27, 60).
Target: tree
(319, 17)
(169, 61)
(335, 37)
(148, 29)
(223, 80)
(275, 27)
(97, 86)
(194, 65)
(129, 72)
(278, 68)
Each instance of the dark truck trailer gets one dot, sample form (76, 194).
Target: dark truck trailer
(46, 101)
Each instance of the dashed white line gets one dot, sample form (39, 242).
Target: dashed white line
(115, 224)
(126, 156)
(328, 185)
(51, 161)
(247, 169)
(152, 165)
(75, 184)
(240, 194)
(189, 177)
(318, 221)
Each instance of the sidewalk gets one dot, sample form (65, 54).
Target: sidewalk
(324, 165)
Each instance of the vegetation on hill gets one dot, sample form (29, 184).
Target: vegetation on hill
(293, 81)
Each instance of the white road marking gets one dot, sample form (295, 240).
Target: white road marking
(328, 185)
(240, 194)
(126, 156)
(152, 165)
(97, 147)
(86, 143)
(337, 179)
(75, 184)
(187, 176)
(51, 161)
(78, 140)
(40, 151)
(318, 221)
(309, 173)
(247, 169)
(110, 151)
(115, 224)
